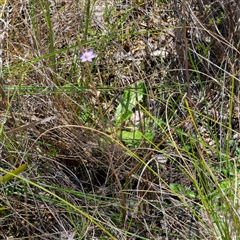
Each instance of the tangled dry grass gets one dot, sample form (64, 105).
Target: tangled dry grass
(80, 172)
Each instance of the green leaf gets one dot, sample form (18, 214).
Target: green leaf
(180, 189)
(128, 102)
(131, 138)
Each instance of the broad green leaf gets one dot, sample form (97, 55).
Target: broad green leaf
(128, 102)
(133, 138)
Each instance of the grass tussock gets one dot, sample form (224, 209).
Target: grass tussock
(140, 141)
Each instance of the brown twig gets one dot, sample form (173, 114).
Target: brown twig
(4, 99)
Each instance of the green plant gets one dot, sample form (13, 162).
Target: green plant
(131, 122)
(128, 144)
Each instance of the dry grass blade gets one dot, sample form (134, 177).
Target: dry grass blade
(30, 125)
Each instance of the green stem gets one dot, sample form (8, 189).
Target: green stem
(13, 173)
(46, 10)
(87, 20)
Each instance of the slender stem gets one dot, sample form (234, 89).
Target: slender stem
(123, 200)
(202, 179)
(12, 174)
(87, 20)
(46, 10)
